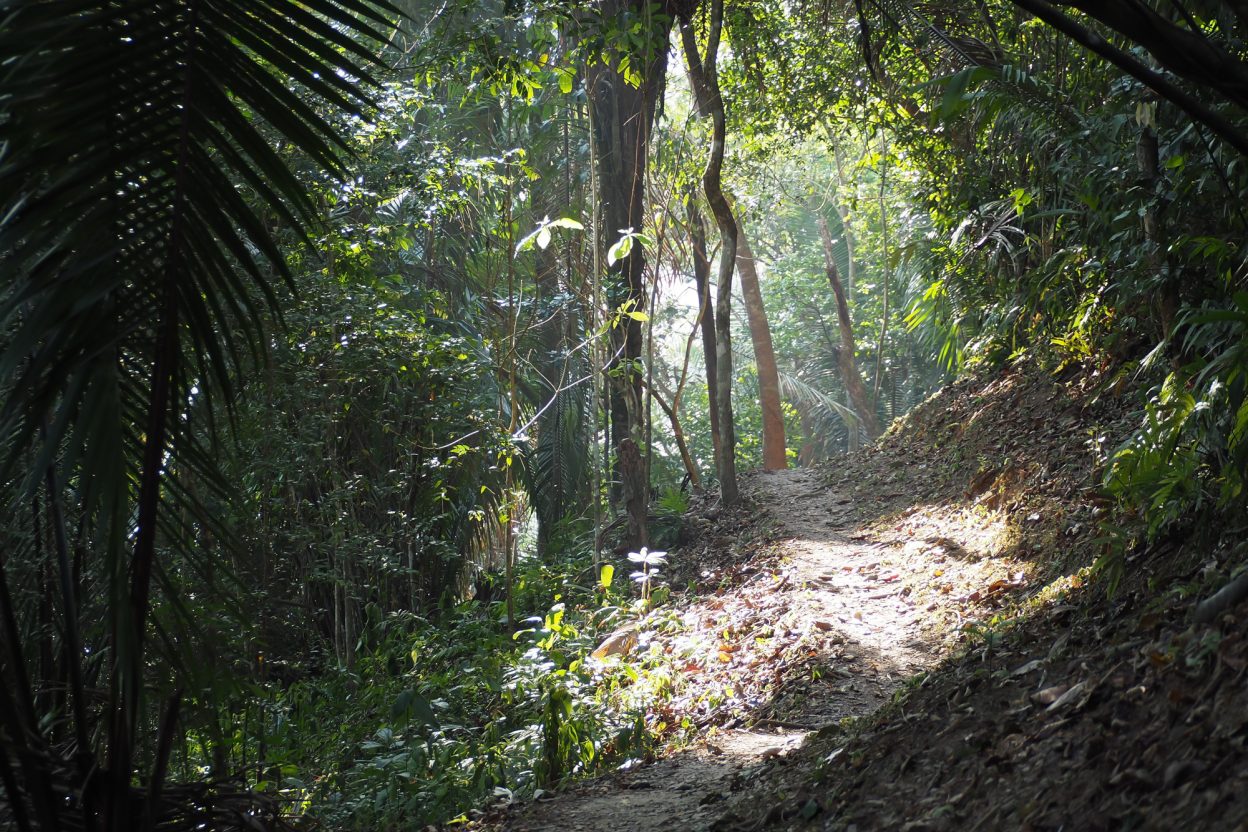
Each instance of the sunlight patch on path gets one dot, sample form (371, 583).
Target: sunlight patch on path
(830, 632)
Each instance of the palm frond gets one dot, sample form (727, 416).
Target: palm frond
(819, 401)
(141, 187)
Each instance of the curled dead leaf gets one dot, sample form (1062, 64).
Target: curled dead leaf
(1049, 695)
(1076, 697)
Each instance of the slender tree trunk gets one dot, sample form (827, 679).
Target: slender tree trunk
(851, 275)
(851, 270)
(706, 87)
(551, 363)
(1148, 162)
(807, 454)
(774, 457)
(678, 434)
(706, 316)
(888, 278)
(845, 356)
(130, 619)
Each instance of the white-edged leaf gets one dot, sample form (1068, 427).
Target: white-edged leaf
(529, 240)
(620, 250)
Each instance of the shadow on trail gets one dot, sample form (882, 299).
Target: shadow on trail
(861, 612)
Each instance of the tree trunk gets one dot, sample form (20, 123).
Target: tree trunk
(1211, 67)
(806, 456)
(888, 277)
(851, 443)
(774, 457)
(845, 356)
(678, 434)
(622, 116)
(706, 88)
(706, 316)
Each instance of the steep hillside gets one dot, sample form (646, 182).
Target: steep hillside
(923, 644)
(1065, 708)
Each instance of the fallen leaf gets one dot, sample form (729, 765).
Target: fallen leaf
(1049, 695)
(1077, 696)
(619, 643)
(1011, 745)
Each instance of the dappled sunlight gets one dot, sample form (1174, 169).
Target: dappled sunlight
(825, 624)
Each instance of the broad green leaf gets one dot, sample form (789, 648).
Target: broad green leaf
(620, 250)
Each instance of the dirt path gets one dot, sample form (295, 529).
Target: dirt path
(836, 614)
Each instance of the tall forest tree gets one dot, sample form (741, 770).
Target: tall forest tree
(704, 77)
(774, 454)
(624, 84)
(863, 404)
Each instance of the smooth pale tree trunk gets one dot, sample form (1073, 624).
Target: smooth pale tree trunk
(774, 457)
(705, 80)
(845, 356)
(888, 277)
(846, 228)
(622, 116)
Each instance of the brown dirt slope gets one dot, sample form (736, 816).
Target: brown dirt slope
(912, 639)
(1067, 710)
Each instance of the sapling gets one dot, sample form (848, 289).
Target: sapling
(649, 563)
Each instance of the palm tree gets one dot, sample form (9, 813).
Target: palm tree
(144, 173)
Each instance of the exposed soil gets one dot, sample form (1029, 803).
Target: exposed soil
(917, 644)
(821, 631)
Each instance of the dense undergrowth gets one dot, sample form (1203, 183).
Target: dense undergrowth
(438, 717)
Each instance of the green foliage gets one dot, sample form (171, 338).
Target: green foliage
(436, 718)
(275, 527)
(1190, 453)
(142, 199)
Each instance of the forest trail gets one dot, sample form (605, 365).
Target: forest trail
(845, 632)
(937, 590)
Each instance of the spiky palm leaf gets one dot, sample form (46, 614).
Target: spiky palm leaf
(827, 411)
(140, 194)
